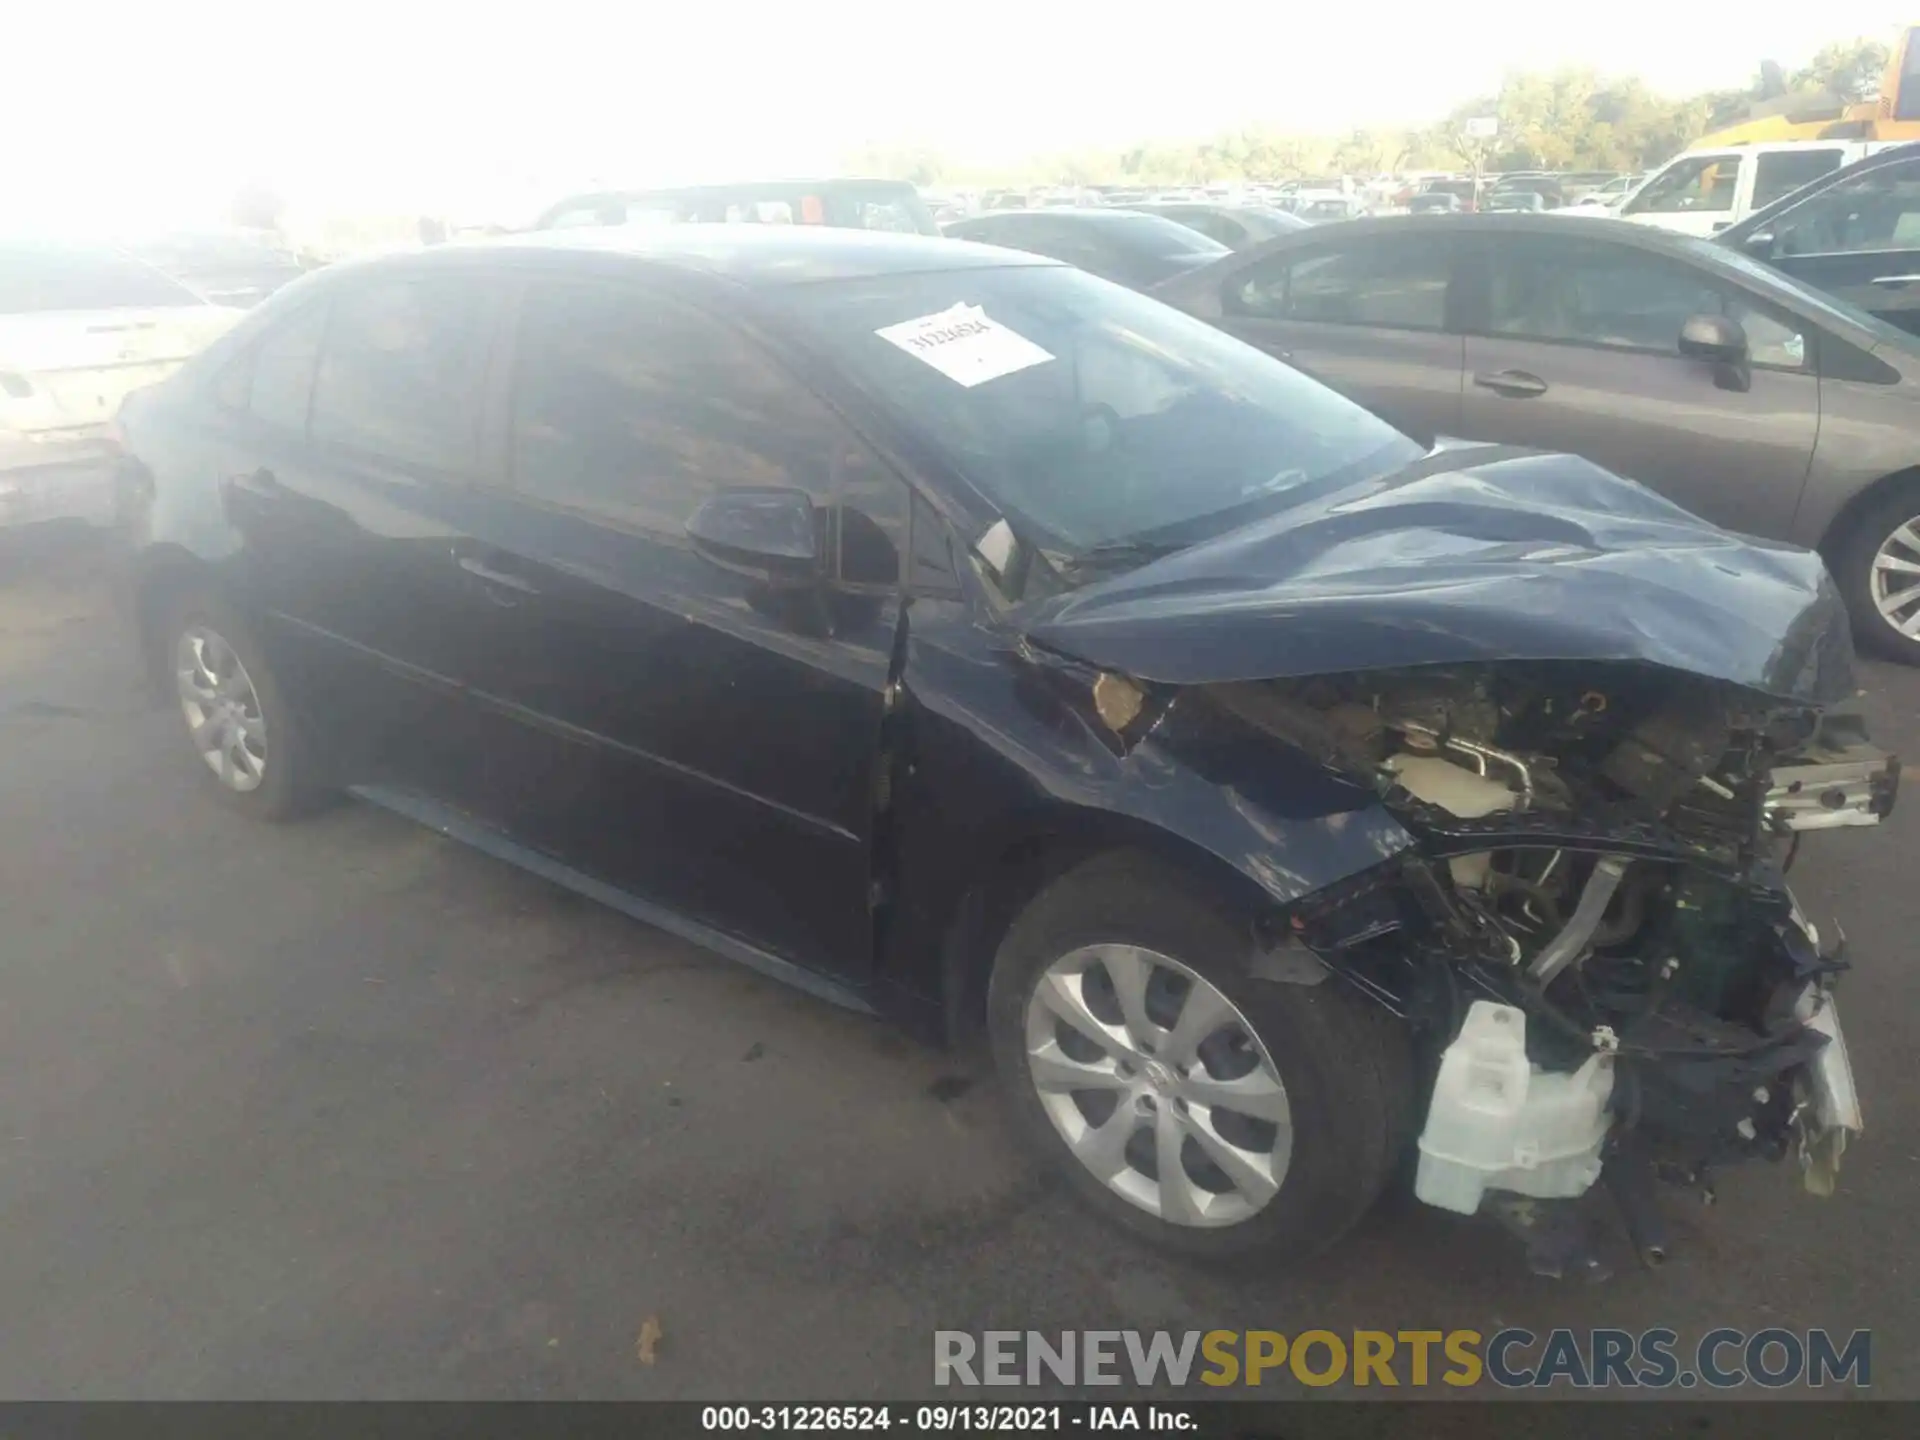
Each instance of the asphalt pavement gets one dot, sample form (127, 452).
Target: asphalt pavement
(342, 1110)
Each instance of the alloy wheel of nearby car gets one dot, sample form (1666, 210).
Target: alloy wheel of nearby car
(1895, 581)
(222, 708)
(1158, 1085)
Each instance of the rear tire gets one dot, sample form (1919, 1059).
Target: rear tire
(1867, 566)
(1343, 1066)
(245, 740)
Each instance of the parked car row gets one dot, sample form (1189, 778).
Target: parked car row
(79, 330)
(963, 637)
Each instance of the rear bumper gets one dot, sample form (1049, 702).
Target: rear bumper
(68, 476)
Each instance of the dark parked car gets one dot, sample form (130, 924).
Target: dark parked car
(1435, 202)
(1854, 233)
(1234, 226)
(966, 638)
(1511, 202)
(1749, 398)
(1129, 247)
(841, 204)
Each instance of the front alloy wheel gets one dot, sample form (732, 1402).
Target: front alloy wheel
(1210, 1112)
(1158, 1085)
(223, 711)
(1895, 582)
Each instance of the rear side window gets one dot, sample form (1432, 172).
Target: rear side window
(401, 372)
(1779, 173)
(1395, 283)
(35, 279)
(283, 365)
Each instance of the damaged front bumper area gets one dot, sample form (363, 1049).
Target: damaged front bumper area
(1599, 950)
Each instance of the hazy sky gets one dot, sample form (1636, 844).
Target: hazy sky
(428, 104)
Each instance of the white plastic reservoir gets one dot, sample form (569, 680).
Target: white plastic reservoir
(1498, 1122)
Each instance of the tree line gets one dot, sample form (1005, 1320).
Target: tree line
(1569, 119)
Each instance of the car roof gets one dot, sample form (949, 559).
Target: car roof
(1721, 259)
(748, 255)
(1089, 214)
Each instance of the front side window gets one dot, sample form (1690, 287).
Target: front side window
(1879, 210)
(401, 371)
(1397, 283)
(1616, 295)
(635, 409)
(1778, 173)
(1090, 416)
(1697, 185)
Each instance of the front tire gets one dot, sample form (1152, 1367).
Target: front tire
(248, 744)
(1215, 1115)
(1877, 566)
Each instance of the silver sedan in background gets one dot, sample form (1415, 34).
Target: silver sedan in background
(1759, 403)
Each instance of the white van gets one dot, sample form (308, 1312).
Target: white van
(1704, 191)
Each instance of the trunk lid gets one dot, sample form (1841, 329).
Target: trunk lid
(75, 366)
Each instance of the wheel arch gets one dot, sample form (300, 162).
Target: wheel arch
(1032, 852)
(159, 579)
(1840, 527)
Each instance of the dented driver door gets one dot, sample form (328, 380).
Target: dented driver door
(687, 732)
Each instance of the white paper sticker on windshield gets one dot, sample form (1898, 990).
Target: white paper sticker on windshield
(964, 345)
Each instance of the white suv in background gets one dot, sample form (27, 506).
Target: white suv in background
(79, 330)
(1704, 191)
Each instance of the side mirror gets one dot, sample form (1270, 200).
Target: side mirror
(1720, 340)
(768, 532)
(1759, 244)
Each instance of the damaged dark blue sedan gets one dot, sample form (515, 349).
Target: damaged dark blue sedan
(964, 638)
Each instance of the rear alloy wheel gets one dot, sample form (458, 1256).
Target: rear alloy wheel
(1878, 569)
(224, 717)
(1214, 1114)
(249, 743)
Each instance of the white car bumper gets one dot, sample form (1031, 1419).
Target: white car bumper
(64, 476)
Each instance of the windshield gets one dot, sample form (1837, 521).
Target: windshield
(1092, 417)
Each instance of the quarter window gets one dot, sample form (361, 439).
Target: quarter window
(1398, 283)
(400, 375)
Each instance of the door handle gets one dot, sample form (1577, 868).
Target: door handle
(1517, 383)
(1895, 279)
(504, 579)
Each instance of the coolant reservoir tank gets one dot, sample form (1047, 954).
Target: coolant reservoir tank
(1458, 791)
(1454, 788)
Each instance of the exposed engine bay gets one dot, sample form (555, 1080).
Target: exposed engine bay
(1595, 932)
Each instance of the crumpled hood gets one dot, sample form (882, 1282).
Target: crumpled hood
(1473, 553)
